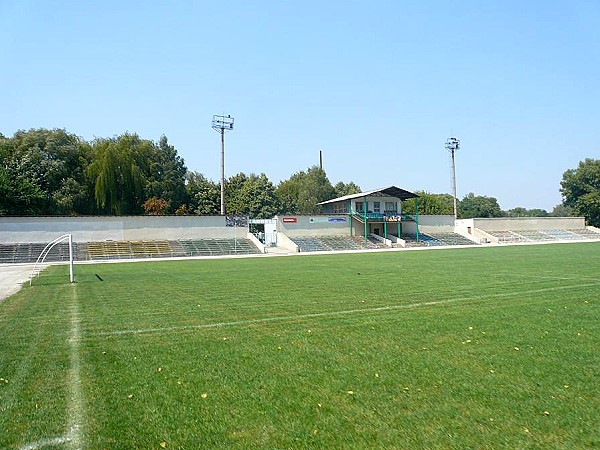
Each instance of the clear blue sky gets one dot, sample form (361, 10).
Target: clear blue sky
(377, 86)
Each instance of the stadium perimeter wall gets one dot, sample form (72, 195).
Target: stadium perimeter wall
(317, 225)
(439, 224)
(477, 228)
(524, 223)
(16, 230)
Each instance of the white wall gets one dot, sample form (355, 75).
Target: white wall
(530, 223)
(317, 225)
(439, 224)
(130, 228)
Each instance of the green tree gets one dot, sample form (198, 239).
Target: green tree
(18, 195)
(562, 211)
(430, 204)
(254, 198)
(580, 189)
(233, 186)
(204, 195)
(46, 169)
(166, 175)
(341, 189)
(478, 206)
(304, 190)
(524, 212)
(118, 173)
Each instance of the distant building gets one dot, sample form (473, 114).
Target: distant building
(376, 212)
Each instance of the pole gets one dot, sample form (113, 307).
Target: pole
(417, 216)
(350, 215)
(453, 144)
(454, 183)
(222, 172)
(365, 218)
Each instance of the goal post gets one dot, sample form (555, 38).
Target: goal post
(37, 268)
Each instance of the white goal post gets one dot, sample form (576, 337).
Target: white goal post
(37, 268)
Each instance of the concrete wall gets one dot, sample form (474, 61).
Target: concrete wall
(529, 223)
(87, 229)
(439, 224)
(317, 225)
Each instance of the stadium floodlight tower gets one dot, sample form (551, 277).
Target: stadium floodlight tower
(453, 144)
(222, 124)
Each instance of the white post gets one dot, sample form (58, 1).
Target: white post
(71, 257)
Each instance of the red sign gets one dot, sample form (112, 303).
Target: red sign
(290, 220)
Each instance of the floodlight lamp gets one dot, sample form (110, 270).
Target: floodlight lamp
(222, 123)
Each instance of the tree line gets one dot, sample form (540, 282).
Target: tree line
(53, 172)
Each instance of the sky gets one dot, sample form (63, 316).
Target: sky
(377, 86)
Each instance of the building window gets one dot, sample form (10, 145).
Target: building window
(391, 207)
(340, 208)
(376, 207)
(359, 206)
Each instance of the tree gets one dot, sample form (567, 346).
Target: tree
(46, 172)
(580, 189)
(204, 195)
(478, 206)
(562, 211)
(341, 189)
(524, 212)
(304, 190)
(118, 173)
(430, 204)
(254, 198)
(166, 175)
(18, 195)
(155, 206)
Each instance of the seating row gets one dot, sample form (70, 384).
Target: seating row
(109, 250)
(516, 236)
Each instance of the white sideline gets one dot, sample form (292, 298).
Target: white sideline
(332, 313)
(75, 400)
(47, 443)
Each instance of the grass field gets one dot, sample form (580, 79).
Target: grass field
(468, 348)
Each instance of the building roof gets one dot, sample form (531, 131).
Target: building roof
(391, 191)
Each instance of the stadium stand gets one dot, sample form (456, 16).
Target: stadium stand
(115, 250)
(340, 243)
(425, 240)
(587, 234)
(451, 239)
(215, 247)
(371, 243)
(107, 250)
(336, 243)
(28, 253)
(509, 237)
(310, 244)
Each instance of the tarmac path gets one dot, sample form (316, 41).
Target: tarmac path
(12, 277)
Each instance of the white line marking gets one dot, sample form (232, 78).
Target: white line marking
(73, 438)
(332, 313)
(47, 442)
(75, 400)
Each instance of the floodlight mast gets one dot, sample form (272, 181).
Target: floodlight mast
(453, 144)
(222, 124)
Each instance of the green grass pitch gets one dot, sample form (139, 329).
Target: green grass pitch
(446, 349)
